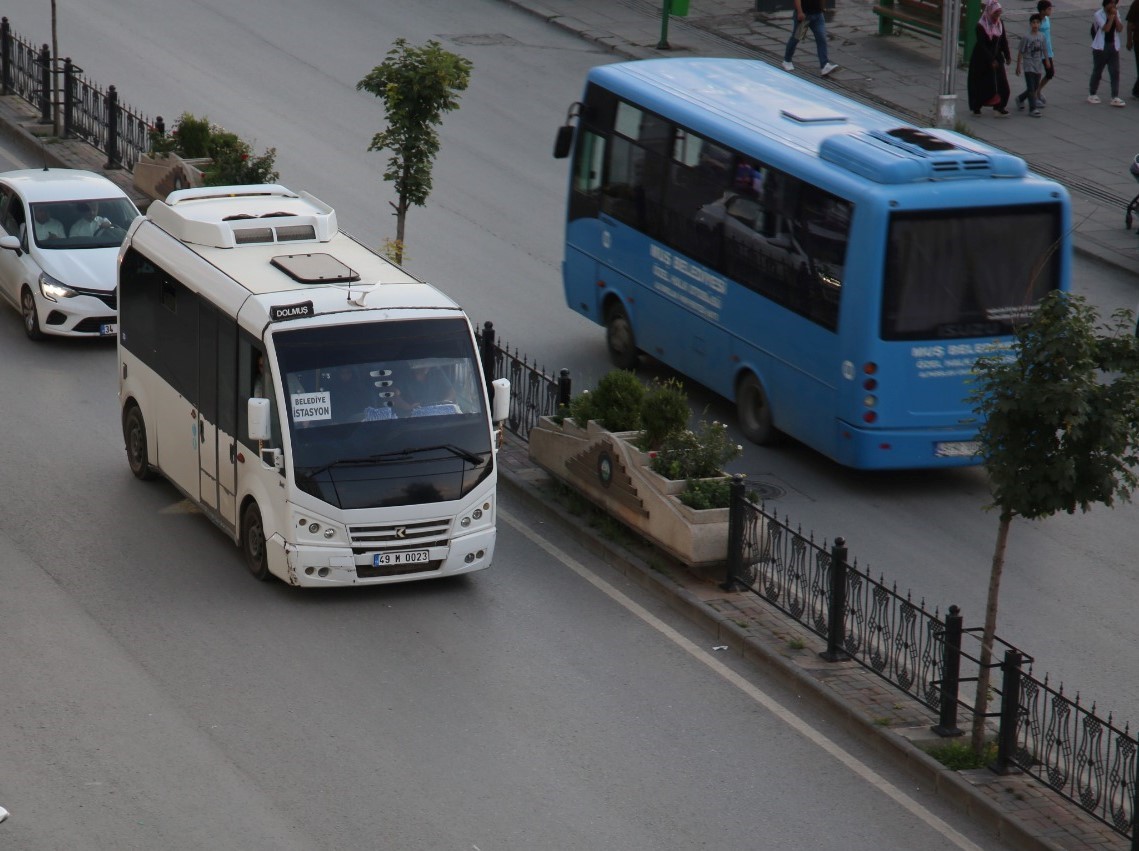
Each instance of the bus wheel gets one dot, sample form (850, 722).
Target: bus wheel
(754, 411)
(134, 434)
(619, 337)
(253, 542)
(31, 315)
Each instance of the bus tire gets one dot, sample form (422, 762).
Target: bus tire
(753, 410)
(30, 315)
(620, 339)
(253, 542)
(134, 435)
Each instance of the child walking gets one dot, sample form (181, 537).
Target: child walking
(1030, 57)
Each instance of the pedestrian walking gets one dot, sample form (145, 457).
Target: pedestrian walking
(988, 79)
(1030, 58)
(1106, 27)
(809, 15)
(1132, 27)
(1044, 8)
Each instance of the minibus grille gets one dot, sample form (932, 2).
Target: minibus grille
(398, 536)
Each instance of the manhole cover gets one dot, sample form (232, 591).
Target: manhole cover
(765, 490)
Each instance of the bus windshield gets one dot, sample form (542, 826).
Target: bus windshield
(384, 414)
(951, 274)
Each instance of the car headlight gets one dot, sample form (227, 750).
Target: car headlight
(53, 289)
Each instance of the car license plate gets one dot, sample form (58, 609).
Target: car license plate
(957, 449)
(108, 328)
(395, 559)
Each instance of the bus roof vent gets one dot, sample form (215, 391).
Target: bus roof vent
(315, 269)
(909, 154)
(232, 216)
(812, 113)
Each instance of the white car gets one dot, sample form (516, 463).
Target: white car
(60, 232)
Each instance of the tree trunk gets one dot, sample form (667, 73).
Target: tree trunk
(981, 704)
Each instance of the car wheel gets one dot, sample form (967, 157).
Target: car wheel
(30, 314)
(620, 339)
(134, 434)
(253, 542)
(754, 411)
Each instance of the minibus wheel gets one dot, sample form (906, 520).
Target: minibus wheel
(620, 339)
(134, 434)
(253, 542)
(753, 410)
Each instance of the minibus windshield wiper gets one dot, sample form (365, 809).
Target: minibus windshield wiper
(397, 455)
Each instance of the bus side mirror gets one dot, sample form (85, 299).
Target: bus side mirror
(563, 142)
(258, 416)
(500, 408)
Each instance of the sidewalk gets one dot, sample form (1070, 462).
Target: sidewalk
(1087, 148)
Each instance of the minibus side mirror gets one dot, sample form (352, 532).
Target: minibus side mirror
(563, 142)
(500, 407)
(258, 416)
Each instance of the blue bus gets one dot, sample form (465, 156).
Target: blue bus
(832, 270)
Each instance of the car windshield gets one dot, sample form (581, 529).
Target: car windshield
(99, 223)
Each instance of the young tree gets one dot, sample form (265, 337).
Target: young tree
(417, 85)
(1061, 430)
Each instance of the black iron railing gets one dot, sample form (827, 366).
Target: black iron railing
(533, 392)
(87, 111)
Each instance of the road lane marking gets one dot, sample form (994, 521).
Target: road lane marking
(761, 697)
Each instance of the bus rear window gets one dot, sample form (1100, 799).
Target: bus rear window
(976, 273)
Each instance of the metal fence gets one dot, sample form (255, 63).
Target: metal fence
(86, 111)
(1040, 731)
(533, 392)
(1066, 746)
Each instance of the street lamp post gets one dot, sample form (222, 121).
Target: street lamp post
(947, 99)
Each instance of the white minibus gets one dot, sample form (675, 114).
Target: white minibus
(319, 404)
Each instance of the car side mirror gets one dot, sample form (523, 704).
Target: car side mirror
(12, 243)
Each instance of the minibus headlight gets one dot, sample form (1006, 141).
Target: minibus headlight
(52, 289)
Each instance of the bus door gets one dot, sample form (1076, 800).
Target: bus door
(174, 400)
(217, 399)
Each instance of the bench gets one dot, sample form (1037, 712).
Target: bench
(923, 16)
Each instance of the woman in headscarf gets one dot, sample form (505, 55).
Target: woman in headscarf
(988, 80)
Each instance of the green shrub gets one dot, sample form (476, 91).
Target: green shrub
(700, 494)
(616, 403)
(193, 136)
(699, 454)
(664, 411)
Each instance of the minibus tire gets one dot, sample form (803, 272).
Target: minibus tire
(753, 410)
(134, 435)
(620, 339)
(253, 542)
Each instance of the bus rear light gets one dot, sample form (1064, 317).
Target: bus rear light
(870, 368)
(869, 401)
(870, 416)
(870, 384)
(885, 446)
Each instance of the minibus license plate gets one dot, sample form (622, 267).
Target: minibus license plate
(392, 559)
(957, 449)
(108, 328)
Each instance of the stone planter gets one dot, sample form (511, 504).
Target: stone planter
(608, 470)
(158, 176)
